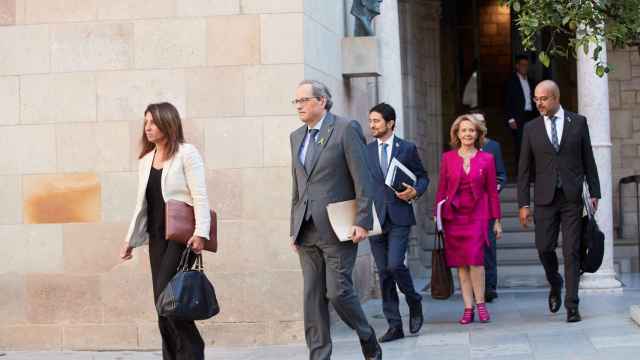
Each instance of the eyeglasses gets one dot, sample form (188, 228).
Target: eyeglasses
(541, 98)
(303, 100)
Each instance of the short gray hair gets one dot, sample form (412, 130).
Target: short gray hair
(319, 89)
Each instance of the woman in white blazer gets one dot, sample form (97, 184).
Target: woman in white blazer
(168, 169)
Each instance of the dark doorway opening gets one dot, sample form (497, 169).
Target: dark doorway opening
(479, 42)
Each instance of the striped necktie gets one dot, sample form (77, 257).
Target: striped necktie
(556, 145)
(554, 133)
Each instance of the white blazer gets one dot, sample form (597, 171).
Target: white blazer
(183, 179)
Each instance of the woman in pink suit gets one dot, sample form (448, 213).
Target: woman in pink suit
(468, 186)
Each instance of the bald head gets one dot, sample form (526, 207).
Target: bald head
(550, 86)
(547, 97)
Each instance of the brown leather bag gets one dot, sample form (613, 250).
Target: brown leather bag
(441, 278)
(180, 224)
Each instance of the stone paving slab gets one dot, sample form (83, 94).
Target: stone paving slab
(521, 328)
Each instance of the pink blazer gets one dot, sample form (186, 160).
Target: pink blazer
(483, 184)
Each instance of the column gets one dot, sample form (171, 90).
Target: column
(387, 29)
(593, 102)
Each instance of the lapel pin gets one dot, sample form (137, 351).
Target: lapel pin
(321, 142)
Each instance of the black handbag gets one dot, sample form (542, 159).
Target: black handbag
(441, 277)
(189, 295)
(591, 242)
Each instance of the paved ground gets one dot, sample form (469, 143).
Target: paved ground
(522, 328)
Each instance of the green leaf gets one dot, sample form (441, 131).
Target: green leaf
(544, 59)
(516, 6)
(596, 52)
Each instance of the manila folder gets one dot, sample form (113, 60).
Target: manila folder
(342, 216)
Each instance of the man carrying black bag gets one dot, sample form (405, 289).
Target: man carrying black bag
(558, 146)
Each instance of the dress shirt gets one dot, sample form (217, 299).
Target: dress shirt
(526, 90)
(305, 143)
(559, 125)
(389, 143)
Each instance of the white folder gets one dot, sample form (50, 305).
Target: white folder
(342, 216)
(396, 166)
(439, 226)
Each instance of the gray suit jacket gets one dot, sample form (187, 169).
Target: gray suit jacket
(339, 173)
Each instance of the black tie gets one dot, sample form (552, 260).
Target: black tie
(312, 149)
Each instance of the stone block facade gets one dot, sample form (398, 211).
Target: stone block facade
(422, 89)
(624, 101)
(75, 78)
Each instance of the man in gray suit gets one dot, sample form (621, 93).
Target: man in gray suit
(329, 164)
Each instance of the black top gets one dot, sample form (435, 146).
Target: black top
(155, 205)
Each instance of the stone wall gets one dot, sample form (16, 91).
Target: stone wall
(422, 89)
(326, 23)
(75, 77)
(624, 101)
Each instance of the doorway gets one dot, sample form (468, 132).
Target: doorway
(479, 42)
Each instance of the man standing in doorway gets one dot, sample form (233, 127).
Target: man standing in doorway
(557, 145)
(519, 107)
(396, 217)
(329, 164)
(490, 252)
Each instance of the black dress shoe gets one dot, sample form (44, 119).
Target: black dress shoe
(392, 334)
(371, 348)
(573, 315)
(490, 295)
(555, 299)
(416, 319)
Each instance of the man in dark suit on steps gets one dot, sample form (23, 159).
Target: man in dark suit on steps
(519, 106)
(557, 145)
(490, 252)
(396, 217)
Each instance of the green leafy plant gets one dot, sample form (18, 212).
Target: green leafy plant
(582, 22)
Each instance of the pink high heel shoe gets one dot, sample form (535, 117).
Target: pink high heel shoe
(483, 313)
(467, 317)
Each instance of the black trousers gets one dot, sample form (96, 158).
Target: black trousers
(180, 339)
(491, 261)
(549, 219)
(389, 251)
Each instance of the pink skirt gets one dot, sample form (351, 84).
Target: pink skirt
(464, 241)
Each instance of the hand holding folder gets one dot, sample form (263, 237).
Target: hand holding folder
(398, 175)
(342, 216)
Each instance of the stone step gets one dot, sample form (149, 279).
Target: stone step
(509, 240)
(511, 224)
(516, 240)
(527, 274)
(510, 192)
(509, 208)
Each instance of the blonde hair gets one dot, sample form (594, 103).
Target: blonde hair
(481, 131)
